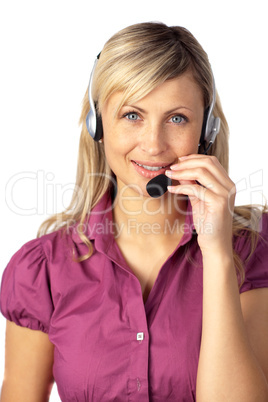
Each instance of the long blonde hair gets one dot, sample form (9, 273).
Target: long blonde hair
(135, 61)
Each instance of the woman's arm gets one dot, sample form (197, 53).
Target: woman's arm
(255, 312)
(231, 365)
(28, 365)
(231, 368)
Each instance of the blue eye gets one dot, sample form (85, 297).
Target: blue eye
(131, 116)
(177, 119)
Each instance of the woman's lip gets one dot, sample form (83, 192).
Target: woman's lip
(153, 164)
(149, 174)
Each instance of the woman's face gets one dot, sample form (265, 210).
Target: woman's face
(144, 138)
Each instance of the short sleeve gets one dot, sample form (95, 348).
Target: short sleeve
(25, 295)
(256, 267)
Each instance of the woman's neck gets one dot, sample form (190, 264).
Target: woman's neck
(137, 216)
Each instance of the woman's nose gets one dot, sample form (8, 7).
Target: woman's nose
(152, 140)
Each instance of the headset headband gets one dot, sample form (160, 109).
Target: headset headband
(210, 128)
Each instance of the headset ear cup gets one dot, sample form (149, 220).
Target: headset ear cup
(204, 126)
(91, 123)
(94, 125)
(211, 125)
(99, 129)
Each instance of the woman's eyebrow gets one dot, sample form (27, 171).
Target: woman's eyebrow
(135, 107)
(167, 112)
(178, 108)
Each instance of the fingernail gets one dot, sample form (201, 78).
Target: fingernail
(168, 173)
(174, 167)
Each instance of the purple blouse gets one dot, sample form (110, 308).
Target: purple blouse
(109, 345)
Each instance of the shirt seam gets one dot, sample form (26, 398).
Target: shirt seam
(47, 328)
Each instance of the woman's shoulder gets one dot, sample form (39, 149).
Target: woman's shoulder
(252, 248)
(26, 287)
(43, 247)
(56, 243)
(36, 257)
(251, 229)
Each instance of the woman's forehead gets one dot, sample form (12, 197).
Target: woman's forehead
(182, 90)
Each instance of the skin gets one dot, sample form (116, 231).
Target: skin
(233, 364)
(28, 365)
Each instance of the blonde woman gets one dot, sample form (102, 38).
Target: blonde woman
(130, 297)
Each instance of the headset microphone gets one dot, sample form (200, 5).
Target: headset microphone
(158, 185)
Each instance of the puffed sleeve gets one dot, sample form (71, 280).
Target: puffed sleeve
(256, 267)
(25, 295)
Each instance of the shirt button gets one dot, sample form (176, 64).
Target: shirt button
(140, 336)
(138, 385)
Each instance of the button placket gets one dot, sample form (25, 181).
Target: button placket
(139, 343)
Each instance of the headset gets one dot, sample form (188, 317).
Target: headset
(93, 121)
(210, 128)
(211, 125)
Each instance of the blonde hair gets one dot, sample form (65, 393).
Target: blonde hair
(135, 61)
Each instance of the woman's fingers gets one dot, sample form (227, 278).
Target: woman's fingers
(197, 176)
(205, 169)
(204, 178)
(211, 193)
(193, 190)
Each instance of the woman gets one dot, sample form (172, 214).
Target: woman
(132, 297)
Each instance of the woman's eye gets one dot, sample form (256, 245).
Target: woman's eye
(132, 116)
(177, 119)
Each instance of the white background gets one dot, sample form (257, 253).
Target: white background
(47, 50)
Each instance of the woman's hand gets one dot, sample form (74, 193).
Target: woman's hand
(212, 196)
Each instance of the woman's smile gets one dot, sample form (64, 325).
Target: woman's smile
(150, 169)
